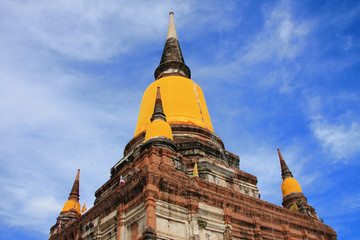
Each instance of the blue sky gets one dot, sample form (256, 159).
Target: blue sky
(274, 73)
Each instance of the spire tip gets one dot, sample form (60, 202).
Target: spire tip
(285, 171)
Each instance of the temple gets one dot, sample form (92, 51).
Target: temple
(176, 180)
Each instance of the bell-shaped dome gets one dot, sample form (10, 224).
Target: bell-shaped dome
(158, 128)
(70, 204)
(290, 185)
(183, 103)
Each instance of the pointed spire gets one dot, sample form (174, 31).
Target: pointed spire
(285, 171)
(74, 194)
(171, 30)
(172, 61)
(158, 109)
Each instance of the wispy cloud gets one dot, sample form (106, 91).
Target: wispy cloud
(21, 207)
(342, 140)
(50, 131)
(338, 134)
(352, 202)
(84, 31)
(274, 47)
(282, 37)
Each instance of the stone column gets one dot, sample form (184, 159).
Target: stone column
(193, 205)
(150, 192)
(119, 214)
(150, 206)
(228, 213)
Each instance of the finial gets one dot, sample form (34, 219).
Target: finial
(158, 109)
(171, 29)
(285, 171)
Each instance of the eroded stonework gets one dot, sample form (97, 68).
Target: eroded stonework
(162, 200)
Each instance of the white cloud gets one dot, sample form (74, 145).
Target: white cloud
(282, 37)
(36, 206)
(282, 78)
(86, 30)
(332, 121)
(28, 207)
(342, 140)
(351, 202)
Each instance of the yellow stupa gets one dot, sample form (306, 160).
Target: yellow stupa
(158, 126)
(183, 100)
(289, 184)
(70, 204)
(73, 200)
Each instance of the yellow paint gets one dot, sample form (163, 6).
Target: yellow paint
(294, 207)
(290, 185)
(83, 208)
(195, 171)
(158, 128)
(71, 204)
(181, 103)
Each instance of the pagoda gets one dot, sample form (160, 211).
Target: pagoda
(176, 180)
